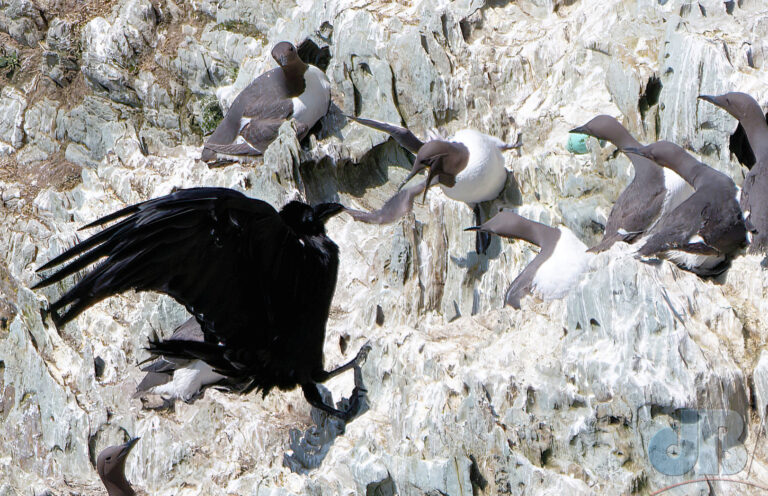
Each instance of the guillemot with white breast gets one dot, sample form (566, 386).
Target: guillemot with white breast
(704, 231)
(554, 271)
(653, 191)
(467, 166)
(295, 90)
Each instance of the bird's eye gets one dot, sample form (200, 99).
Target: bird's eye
(109, 458)
(290, 49)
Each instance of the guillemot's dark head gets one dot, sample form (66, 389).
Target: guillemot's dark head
(605, 127)
(111, 468)
(509, 224)
(739, 105)
(663, 153)
(445, 159)
(602, 127)
(306, 220)
(285, 54)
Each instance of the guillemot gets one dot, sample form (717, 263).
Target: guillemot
(555, 270)
(294, 90)
(467, 166)
(111, 468)
(704, 231)
(653, 191)
(754, 190)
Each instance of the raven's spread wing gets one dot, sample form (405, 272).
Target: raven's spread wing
(229, 259)
(406, 138)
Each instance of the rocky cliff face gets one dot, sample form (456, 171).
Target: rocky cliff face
(106, 104)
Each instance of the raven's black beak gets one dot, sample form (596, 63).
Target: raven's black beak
(580, 130)
(325, 211)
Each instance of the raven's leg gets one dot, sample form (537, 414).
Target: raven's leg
(482, 239)
(313, 397)
(323, 376)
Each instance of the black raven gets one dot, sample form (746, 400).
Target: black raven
(258, 282)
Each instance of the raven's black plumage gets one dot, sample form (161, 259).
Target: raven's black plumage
(259, 282)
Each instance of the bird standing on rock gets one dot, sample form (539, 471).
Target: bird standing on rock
(294, 90)
(556, 269)
(754, 190)
(111, 468)
(653, 191)
(468, 167)
(259, 283)
(704, 231)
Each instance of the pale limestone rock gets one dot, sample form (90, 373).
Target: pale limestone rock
(760, 378)
(112, 49)
(465, 397)
(22, 20)
(12, 107)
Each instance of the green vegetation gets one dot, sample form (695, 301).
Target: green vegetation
(210, 115)
(233, 72)
(10, 62)
(243, 28)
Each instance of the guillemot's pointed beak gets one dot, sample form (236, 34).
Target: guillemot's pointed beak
(633, 150)
(417, 167)
(708, 98)
(430, 177)
(580, 130)
(473, 228)
(127, 447)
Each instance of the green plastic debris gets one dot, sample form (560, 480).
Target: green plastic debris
(577, 143)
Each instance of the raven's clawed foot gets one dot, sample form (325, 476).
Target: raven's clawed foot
(357, 401)
(362, 355)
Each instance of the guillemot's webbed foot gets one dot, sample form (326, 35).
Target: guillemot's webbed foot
(219, 163)
(482, 238)
(512, 146)
(648, 259)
